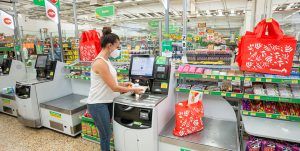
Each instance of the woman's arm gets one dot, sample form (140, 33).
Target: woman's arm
(100, 67)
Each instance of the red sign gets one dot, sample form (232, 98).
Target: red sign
(51, 13)
(7, 21)
(54, 1)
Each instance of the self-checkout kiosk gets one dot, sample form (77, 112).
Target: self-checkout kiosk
(10, 72)
(138, 119)
(49, 84)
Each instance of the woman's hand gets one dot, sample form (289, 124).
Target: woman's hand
(138, 90)
(127, 84)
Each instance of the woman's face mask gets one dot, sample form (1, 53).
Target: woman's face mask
(115, 54)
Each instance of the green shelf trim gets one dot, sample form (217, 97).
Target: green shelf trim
(86, 119)
(245, 96)
(6, 48)
(88, 68)
(272, 116)
(215, 93)
(237, 78)
(271, 98)
(78, 77)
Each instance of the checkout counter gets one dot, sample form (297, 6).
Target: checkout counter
(49, 84)
(48, 100)
(138, 119)
(10, 72)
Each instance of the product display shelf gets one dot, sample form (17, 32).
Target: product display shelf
(237, 78)
(82, 77)
(272, 128)
(245, 96)
(88, 68)
(93, 138)
(272, 116)
(6, 48)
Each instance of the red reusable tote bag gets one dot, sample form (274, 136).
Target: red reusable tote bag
(188, 118)
(89, 45)
(272, 53)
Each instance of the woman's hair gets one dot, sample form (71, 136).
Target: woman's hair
(108, 37)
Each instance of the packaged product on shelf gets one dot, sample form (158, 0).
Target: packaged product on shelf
(257, 106)
(226, 86)
(259, 89)
(268, 145)
(283, 108)
(295, 90)
(285, 91)
(271, 89)
(198, 87)
(192, 69)
(253, 145)
(200, 70)
(208, 71)
(246, 105)
(270, 107)
(283, 147)
(295, 109)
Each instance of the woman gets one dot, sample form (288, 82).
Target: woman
(105, 87)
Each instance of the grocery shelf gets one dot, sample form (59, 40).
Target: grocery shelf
(78, 77)
(236, 78)
(272, 116)
(123, 71)
(6, 48)
(84, 68)
(215, 93)
(272, 128)
(245, 96)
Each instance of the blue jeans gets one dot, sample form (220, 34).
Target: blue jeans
(102, 113)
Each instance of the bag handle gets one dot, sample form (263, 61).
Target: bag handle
(273, 28)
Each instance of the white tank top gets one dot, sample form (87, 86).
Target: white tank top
(100, 92)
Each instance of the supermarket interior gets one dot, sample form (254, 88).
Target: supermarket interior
(150, 75)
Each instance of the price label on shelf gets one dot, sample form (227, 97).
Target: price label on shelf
(206, 92)
(258, 79)
(221, 77)
(268, 80)
(245, 112)
(229, 78)
(256, 97)
(233, 95)
(177, 75)
(177, 89)
(253, 114)
(269, 115)
(237, 78)
(294, 81)
(213, 77)
(246, 96)
(247, 79)
(282, 117)
(204, 76)
(223, 93)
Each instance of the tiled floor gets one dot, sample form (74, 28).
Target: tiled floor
(16, 137)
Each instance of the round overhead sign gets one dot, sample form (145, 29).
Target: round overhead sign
(54, 1)
(51, 13)
(7, 21)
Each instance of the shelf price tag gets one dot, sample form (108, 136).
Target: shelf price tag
(233, 95)
(256, 97)
(268, 80)
(221, 77)
(206, 92)
(223, 93)
(246, 96)
(177, 89)
(229, 78)
(253, 114)
(269, 115)
(282, 117)
(258, 79)
(247, 79)
(204, 76)
(213, 77)
(245, 112)
(294, 81)
(237, 78)
(177, 75)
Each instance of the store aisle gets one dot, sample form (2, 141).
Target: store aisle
(16, 137)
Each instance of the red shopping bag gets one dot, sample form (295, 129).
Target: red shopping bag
(272, 53)
(89, 45)
(188, 118)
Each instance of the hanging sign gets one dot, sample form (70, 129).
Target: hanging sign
(51, 11)
(201, 25)
(153, 23)
(7, 20)
(42, 2)
(105, 11)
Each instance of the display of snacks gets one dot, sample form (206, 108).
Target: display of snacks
(262, 144)
(90, 131)
(201, 55)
